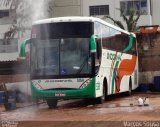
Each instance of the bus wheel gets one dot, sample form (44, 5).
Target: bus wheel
(130, 87)
(52, 103)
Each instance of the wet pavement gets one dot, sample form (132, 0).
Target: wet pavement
(119, 108)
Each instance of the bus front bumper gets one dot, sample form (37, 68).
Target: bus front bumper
(87, 92)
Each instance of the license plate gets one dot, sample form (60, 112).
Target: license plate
(60, 94)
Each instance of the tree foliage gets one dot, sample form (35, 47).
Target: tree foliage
(118, 23)
(21, 18)
(24, 13)
(131, 20)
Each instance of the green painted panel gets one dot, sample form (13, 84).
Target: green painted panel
(93, 45)
(23, 48)
(87, 92)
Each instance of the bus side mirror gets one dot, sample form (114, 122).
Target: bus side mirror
(93, 45)
(23, 48)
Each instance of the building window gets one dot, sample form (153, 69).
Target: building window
(99, 10)
(4, 14)
(137, 5)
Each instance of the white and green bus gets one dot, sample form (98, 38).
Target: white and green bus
(80, 57)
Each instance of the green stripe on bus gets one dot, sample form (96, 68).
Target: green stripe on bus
(130, 44)
(23, 48)
(114, 75)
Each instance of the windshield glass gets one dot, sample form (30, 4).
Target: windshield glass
(65, 56)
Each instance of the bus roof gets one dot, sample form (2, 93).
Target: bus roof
(76, 19)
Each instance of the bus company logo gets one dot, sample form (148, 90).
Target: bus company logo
(60, 94)
(112, 56)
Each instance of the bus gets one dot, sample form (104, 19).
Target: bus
(80, 58)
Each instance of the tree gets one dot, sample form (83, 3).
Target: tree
(21, 18)
(26, 11)
(131, 20)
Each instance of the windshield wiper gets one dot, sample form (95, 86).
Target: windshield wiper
(82, 65)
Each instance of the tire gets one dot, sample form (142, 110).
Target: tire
(130, 87)
(52, 103)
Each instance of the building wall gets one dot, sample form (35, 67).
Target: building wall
(114, 12)
(5, 24)
(155, 12)
(149, 56)
(66, 8)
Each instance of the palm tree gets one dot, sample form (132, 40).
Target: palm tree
(131, 20)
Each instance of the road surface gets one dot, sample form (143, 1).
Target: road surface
(121, 108)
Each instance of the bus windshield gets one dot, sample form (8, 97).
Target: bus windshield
(61, 49)
(65, 56)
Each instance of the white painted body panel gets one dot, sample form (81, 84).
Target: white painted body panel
(105, 71)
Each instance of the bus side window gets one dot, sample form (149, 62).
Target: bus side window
(106, 37)
(99, 52)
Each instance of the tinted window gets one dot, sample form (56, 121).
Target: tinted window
(98, 33)
(113, 39)
(61, 57)
(65, 29)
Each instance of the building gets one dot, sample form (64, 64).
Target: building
(11, 70)
(8, 48)
(67, 8)
(148, 51)
(99, 8)
(111, 8)
(14, 18)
